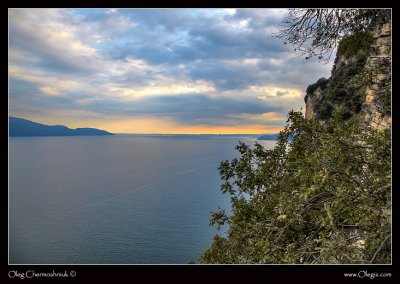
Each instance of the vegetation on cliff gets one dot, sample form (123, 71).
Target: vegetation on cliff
(362, 67)
(342, 90)
(323, 193)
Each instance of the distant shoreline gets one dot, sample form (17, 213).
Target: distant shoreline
(20, 127)
(252, 136)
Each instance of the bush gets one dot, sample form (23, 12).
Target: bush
(322, 195)
(354, 44)
(322, 83)
(342, 90)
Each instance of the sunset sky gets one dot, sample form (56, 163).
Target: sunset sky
(156, 70)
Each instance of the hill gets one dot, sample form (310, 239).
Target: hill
(24, 127)
(268, 137)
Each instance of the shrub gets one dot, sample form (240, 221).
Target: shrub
(321, 197)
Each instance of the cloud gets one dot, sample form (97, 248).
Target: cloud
(39, 37)
(188, 109)
(191, 67)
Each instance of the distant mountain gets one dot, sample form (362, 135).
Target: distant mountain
(24, 127)
(268, 137)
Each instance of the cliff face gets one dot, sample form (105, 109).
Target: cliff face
(313, 97)
(360, 81)
(380, 59)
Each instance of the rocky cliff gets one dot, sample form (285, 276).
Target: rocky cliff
(360, 81)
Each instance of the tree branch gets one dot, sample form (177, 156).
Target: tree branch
(379, 249)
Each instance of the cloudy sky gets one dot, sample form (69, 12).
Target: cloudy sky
(155, 70)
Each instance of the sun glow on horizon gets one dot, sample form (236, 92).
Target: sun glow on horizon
(150, 125)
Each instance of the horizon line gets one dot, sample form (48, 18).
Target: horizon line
(195, 134)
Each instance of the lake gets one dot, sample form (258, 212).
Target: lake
(122, 199)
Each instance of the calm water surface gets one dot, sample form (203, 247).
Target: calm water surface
(114, 199)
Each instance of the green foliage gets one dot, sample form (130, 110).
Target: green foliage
(342, 90)
(322, 83)
(384, 98)
(356, 44)
(321, 195)
(323, 109)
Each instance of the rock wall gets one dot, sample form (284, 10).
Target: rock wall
(380, 57)
(310, 101)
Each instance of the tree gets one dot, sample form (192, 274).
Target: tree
(316, 32)
(322, 195)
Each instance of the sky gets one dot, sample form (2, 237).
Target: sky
(167, 71)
